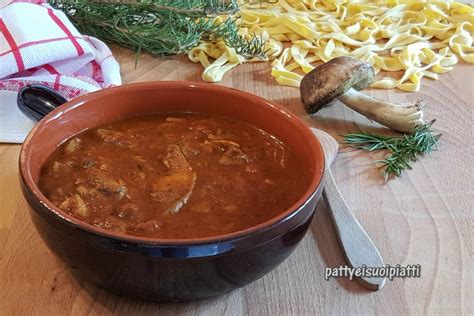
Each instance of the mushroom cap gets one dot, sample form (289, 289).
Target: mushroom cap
(324, 84)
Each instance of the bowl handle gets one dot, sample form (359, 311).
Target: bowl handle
(37, 100)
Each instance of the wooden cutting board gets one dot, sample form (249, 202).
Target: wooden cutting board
(423, 218)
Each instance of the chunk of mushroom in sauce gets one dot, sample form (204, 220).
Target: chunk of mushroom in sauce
(173, 190)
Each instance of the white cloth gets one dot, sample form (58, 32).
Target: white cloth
(38, 44)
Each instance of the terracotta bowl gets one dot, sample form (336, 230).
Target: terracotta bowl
(169, 270)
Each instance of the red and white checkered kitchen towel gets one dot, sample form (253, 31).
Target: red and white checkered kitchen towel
(39, 44)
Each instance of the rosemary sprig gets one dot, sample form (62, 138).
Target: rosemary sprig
(187, 7)
(402, 150)
(161, 27)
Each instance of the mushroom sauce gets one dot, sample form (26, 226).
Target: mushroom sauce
(184, 175)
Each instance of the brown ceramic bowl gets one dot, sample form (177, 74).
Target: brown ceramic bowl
(169, 269)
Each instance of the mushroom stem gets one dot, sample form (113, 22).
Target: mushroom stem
(400, 117)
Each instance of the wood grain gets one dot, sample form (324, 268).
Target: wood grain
(423, 218)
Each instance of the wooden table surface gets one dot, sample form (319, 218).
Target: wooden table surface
(423, 218)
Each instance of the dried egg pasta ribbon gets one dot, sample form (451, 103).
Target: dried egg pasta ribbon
(225, 58)
(421, 39)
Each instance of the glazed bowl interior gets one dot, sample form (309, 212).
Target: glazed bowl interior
(126, 101)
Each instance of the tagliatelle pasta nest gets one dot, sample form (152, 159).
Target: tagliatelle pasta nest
(417, 38)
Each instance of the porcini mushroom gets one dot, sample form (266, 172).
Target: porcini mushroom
(342, 78)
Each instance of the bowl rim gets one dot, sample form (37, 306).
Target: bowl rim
(31, 187)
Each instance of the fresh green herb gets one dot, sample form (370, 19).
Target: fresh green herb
(161, 27)
(403, 150)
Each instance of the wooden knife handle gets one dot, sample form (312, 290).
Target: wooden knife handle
(357, 247)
